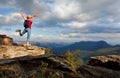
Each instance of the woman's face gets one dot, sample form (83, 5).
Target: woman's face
(29, 17)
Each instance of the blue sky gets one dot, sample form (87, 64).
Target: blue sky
(63, 20)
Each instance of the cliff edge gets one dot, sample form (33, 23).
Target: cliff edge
(7, 52)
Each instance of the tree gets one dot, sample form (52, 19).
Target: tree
(74, 58)
(48, 51)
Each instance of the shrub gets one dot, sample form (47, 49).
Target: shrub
(74, 58)
(48, 51)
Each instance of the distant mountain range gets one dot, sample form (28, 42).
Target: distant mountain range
(49, 45)
(84, 45)
(89, 48)
(44, 44)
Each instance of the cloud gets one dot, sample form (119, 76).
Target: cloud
(75, 18)
(112, 38)
(10, 19)
(66, 11)
(94, 12)
(99, 8)
(7, 4)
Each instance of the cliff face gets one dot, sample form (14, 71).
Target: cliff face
(44, 66)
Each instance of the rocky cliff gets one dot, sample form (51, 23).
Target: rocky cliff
(44, 66)
(22, 62)
(32, 62)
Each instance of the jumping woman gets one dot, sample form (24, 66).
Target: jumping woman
(27, 26)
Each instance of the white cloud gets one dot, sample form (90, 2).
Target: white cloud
(7, 4)
(3, 32)
(10, 19)
(76, 24)
(83, 17)
(66, 9)
(112, 38)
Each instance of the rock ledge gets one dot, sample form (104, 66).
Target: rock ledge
(18, 51)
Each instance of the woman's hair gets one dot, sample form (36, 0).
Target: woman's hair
(29, 16)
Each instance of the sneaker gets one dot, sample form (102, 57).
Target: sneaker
(26, 44)
(18, 30)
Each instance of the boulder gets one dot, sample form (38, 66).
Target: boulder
(5, 40)
(88, 71)
(109, 61)
(101, 67)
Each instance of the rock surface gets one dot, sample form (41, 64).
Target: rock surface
(18, 51)
(54, 66)
(44, 66)
(88, 71)
(110, 61)
(101, 67)
(5, 40)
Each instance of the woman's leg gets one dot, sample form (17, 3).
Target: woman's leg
(28, 34)
(24, 31)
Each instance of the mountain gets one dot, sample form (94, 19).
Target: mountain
(83, 45)
(44, 44)
(48, 45)
(89, 45)
(89, 48)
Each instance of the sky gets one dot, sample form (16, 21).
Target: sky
(63, 20)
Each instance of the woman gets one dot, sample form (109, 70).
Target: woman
(27, 29)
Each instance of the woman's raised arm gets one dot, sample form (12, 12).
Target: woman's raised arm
(23, 16)
(35, 14)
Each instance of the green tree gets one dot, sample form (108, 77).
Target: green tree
(48, 51)
(74, 58)
(77, 59)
